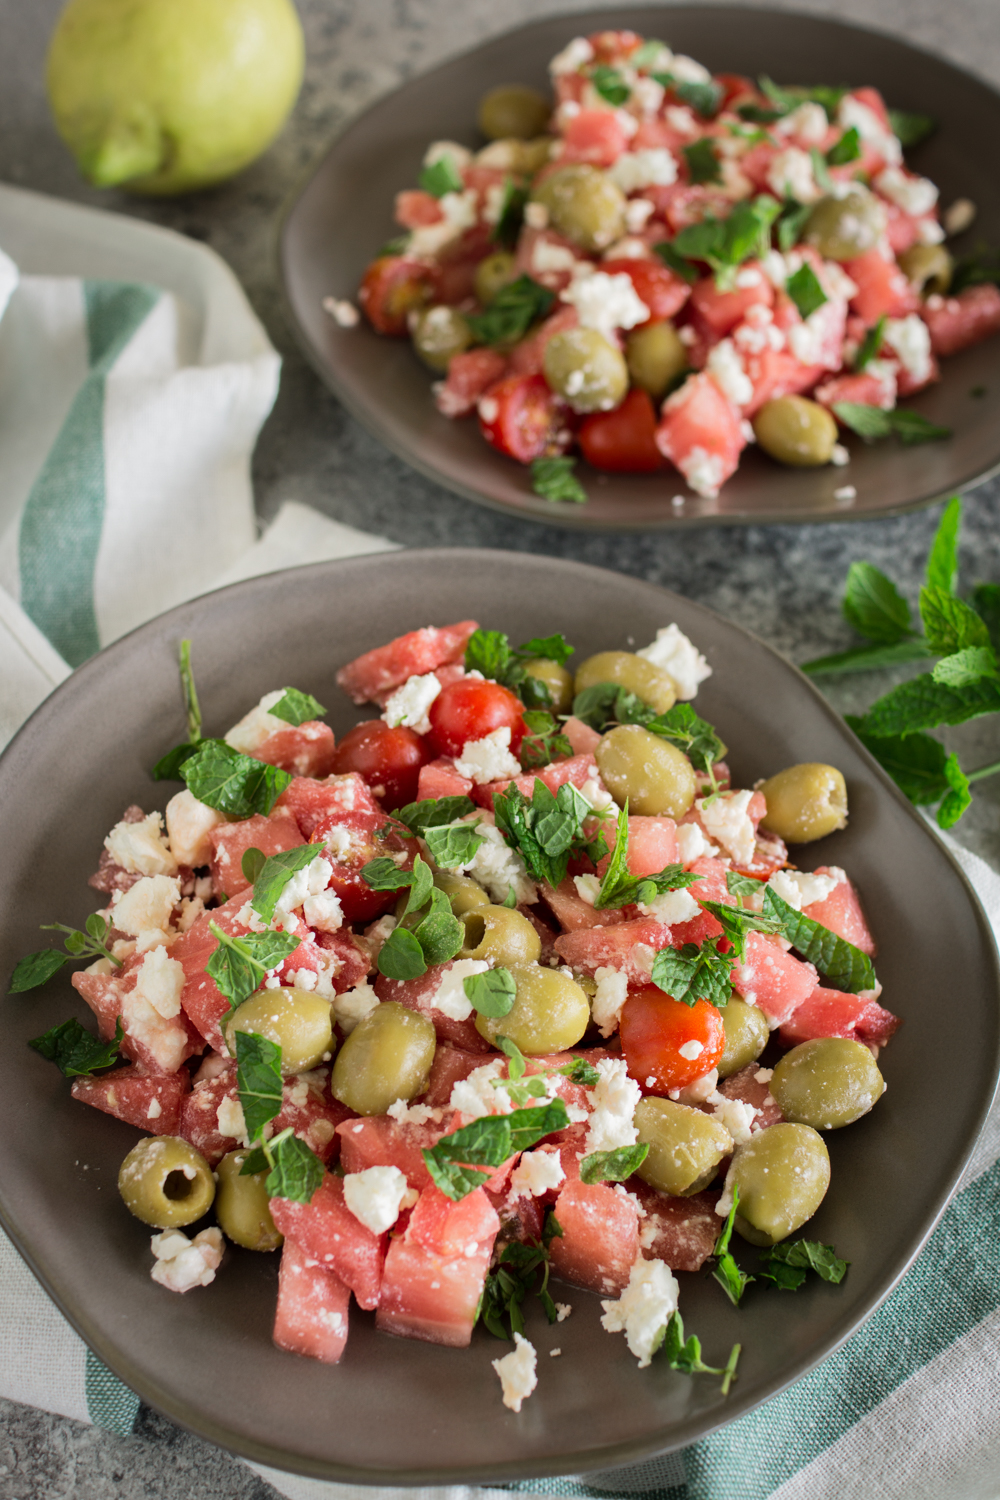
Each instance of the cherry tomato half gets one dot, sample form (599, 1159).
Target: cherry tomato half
(392, 287)
(519, 416)
(623, 440)
(655, 1027)
(470, 710)
(387, 759)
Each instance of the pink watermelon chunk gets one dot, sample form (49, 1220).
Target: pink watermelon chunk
(351, 962)
(470, 376)
(600, 1237)
(721, 311)
(841, 912)
(700, 432)
(199, 1119)
(576, 915)
(435, 1272)
(745, 1087)
(156, 1044)
(230, 841)
(577, 769)
(680, 1231)
(832, 1013)
(652, 845)
(883, 290)
(305, 750)
(440, 779)
(312, 1308)
(202, 1001)
(958, 322)
(771, 979)
(629, 946)
(450, 1066)
(378, 1140)
(583, 739)
(418, 994)
(327, 1231)
(335, 801)
(410, 655)
(148, 1102)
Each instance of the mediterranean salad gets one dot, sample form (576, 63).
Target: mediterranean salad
(513, 985)
(658, 266)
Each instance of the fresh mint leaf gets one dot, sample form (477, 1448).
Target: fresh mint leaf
(682, 727)
(737, 923)
(791, 223)
(958, 797)
(820, 172)
(923, 703)
(383, 874)
(702, 163)
(726, 1272)
(529, 1126)
(742, 885)
(648, 55)
(488, 1142)
(440, 934)
(297, 708)
(234, 784)
(595, 705)
(451, 847)
(909, 128)
(783, 100)
(272, 874)
(911, 428)
(942, 561)
(610, 84)
(296, 1172)
(512, 312)
(949, 624)
(685, 1354)
(441, 178)
(805, 291)
(976, 270)
(546, 831)
(401, 956)
(675, 261)
(872, 423)
(258, 1080)
(704, 98)
(966, 667)
(725, 244)
(75, 1051)
(507, 228)
(985, 600)
(801, 1256)
(847, 149)
(613, 1166)
(491, 994)
(488, 651)
(554, 479)
(870, 345)
(36, 969)
(694, 972)
(580, 1071)
(192, 708)
(516, 1063)
(846, 967)
(547, 648)
(510, 900)
(867, 658)
(434, 811)
(168, 767)
(239, 965)
(88, 944)
(543, 742)
(874, 606)
(915, 761)
(619, 888)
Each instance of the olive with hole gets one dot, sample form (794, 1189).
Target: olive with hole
(241, 1205)
(782, 1174)
(796, 432)
(549, 1014)
(166, 1183)
(501, 936)
(655, 357)
(512, 110)
(804, 802)
(387, 1056)
(685, 1146)
(438, 334)
(583, 204)
(827, 1083)
(634, 673)
(842, 228)
(747, 1034)
(556, 679)
(297, 1021)
(928, 268)
(652, 775)
(492, 274)
(586, 369)
(462, 891)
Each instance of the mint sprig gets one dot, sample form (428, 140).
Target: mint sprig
(786, 1264)
(258, 1080)
(695, 972)
(297, 708)
(619, 888)
(295, 1171)
(37, 968)
(726, 1272)
(613, 1166)
(75, 1051)
(488, 1142)
(844, 965)
(239, 965)
(547, 831)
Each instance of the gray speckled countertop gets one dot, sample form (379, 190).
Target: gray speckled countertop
(783, 582)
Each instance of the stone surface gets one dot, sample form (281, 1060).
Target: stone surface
(784, 583)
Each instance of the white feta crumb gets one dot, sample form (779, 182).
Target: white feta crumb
(489, 758)
(764, 1075)
(497, 868)
(692, 843)
(671, 908)
(311, 881)
(376, 1195)
(459, 156)
(450, 997)
(851, 111)
(554, 1353)
(914, 195)
(536, 1173)
(572, 57)
(608, 999)
(699, 1091)
(536, 216)
(737, 1118)
(840, 456)
(605, 303)
(726, 820)
(189, 823)
(845, 492)
(459, 212)
(790, 175)
(342, 311)
(230, 1119)
(546, 257)
(413, 1114)
(911, 339)
(145, 909)
(323, 911)
(155, 1110)
(808, 123)
(517, 1373)
(353, 1005)
(563, 1310)
(339, 841)
(182, 1263)
(476, 1095)
(409, 704)
(638, 211)
(959, 216)
(587, 887)
(691, 1049)
(726, 369)
(140, 848)
(594, 792)
(615, 1098)
(644, 1308)
(635, 170)
(258, 725)
(703, 471)
(800, 889)
(160, 983)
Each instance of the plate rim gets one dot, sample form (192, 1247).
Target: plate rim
(174, 1406)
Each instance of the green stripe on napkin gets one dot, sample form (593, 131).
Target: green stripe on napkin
(110, 1403)
(61, 523)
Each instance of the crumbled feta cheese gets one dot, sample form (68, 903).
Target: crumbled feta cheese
(790, 175)
(303, 979)
(644, 1308)
(634, 170)
(725, 1202)
(700, 1090)
(703, 471)
(343, 312)
(476, 1095)
(839, 456)
(409, 704)
(594, 792)
(339, 841)
(605, 302)
(726, 369)
(691, 1049)
(310, 881)
(686, 70)
(324, 911)
(450, 997)
(188, 825)
(959, 216)
(160, 983)
(736, 1117)
(497, 868)
(155, 1110)
(775, 268)
(845, 493)
(517, 1373)
(637, 213)
(852, 111)
(816, 340)
(572, 57)
(914, 195)
(353, 1005)
(911, 339)
(726, 820)
(459, 212)
(376, 1195)
(563, 1310)
(230, 1119)
(615, 1098)
(459, 156)
(536, 216)
(692, 843)
(140, 848)
(647, 95)
(764, 1075)
(413, 1114)
(144, 910)
(608, 999)
(681, 119)
(536, 1173)
(546, 256)
(808, 123)
(182, 1263)
(489, 758)
(672, 907)
(800, 889)
(258, 725)
(587, 887)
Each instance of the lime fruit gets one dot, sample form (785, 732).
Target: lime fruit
(165, 96)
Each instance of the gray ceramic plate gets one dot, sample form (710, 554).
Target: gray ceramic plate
(343, 215)
(396, 1411)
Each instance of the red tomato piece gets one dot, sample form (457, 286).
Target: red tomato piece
(378, 673)
(662, 290)
(600, 1237)
(623, 440)
(387, 759)
(311, 1316)
(957, 322)
(654, 1027)
(519, 416)
(470, 375)
(470, 710)
(394, 286)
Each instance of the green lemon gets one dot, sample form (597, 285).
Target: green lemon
(164, 96)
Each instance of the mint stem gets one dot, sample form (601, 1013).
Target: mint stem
(983, 772)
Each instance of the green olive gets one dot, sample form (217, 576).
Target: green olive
(387, 1057)
(462, 891)
(747, 1034)
(685, 1146)
(634, 673)
(928, 268)
(549, 1014)
(298, 1021)
(796, 432)
(439, 333)
(827, 1083)
(492, 274)
(653, 775)
(241, 1205)
(655, 356)
(584, 205)
(165, 1182)
(586, 369)
(500, 936)
(782, 1174)
(554, 677)
(805, 802)
(513, 110)
(842, 228)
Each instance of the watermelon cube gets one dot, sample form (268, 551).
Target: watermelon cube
(311, 1318)
(327, 1231)
(831, 1013)
(700, 432)
(336, 801)
(304, 749)
(841, 912)
(435, 1272)
(958, 322)
(680, 1231)
(600, 1237)
(440, 779)
(772, 979)
(230, 841)
(629, 946)
(746, 1088)
(412, 655)
(150, 1102)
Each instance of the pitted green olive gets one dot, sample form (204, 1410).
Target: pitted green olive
(512, 110)
(584, 205)
(634, 673)
(927, 267)
(805, 802)
(586, 369)
(298, 1021)
(241, 1205)
(165, 1182)
(655, 356)
(556, 678)
(796, 432)
(827, 1083)
(462, 891)
(492, 274)
(501, 936)
(685, 1146)
(439, 333)
(782, 1174)
(843, 228)
(652, 774)
(747, 1034)
(387, 1056)
(549, 1014)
